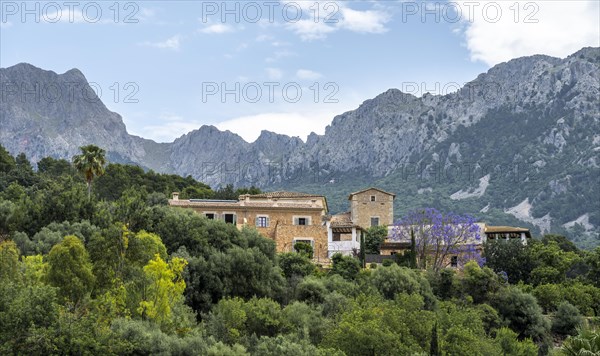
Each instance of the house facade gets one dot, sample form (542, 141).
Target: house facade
(393, 246)
(284, 217)
(291, 217)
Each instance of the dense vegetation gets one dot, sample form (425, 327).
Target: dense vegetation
(119, 272)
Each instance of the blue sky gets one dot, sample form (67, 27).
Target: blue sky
(172, 61)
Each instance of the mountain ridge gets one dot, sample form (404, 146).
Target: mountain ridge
(538, 115)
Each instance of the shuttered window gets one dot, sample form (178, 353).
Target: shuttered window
(262, 221)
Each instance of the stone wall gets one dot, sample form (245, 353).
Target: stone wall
(363, 208)
(285, 235)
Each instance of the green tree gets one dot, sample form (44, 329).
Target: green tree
(7, 162)
(284, 345)
(510, 257)
(434, 349)
(263, 317)
(54, 167)
(522, 314)
(479, 282)
(164, 289)
(511, 346)
(373, 326)
(346, 266)
(227, 320)
(9, 261)
(593, 261)
(90, 163)
(586, 342)
(311, 290)
(70, 269)
(374, 237)
(567, 319)
(27, 314)
(562, 242)
(304, 248)
(304, 321)
(295, 264)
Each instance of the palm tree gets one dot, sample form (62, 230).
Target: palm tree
(587, 342)
(90, 163)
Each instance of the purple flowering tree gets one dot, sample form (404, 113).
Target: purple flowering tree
(440, 236)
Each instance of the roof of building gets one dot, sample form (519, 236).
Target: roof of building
(341, 220)
(392, 245)
(285, 194)
(504, 229)
(364, 190)
(203, 203)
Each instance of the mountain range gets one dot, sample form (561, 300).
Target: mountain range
(518, 145)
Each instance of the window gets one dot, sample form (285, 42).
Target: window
(262, 221)
(454, 261)
(337, 236)
(374, 221)
(210, 216)
(229, 218)
(372, 198)
(301, 220)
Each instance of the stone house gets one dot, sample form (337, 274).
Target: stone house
(487, 232)
(291, 217)
(284, 217)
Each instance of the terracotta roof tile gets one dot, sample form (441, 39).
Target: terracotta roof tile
(284, 194)
(377, 189)
(341, 220)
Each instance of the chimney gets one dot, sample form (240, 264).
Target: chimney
(175, 195)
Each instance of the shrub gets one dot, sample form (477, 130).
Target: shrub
(567, 319)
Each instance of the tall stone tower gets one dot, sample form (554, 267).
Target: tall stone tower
(372, 207)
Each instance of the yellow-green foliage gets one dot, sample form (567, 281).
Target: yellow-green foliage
(164, 289)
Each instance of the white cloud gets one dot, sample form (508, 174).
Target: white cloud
(279, 55)
(287, 123)
(217, 28)
(263, 38)
(301, 124)
(309, 30)
(167, 131)
(369, 21)
(171, 43)
(274, 73)
(556, 28)
(307, 74)
(334, 16)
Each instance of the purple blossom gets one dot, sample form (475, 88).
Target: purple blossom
(439, 236)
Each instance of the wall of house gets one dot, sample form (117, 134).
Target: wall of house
(285, 235)
(363, 208)
(281, 228)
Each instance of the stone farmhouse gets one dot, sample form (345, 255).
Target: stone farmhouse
(291, 217)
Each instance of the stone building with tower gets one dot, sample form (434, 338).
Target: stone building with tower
(291, 217)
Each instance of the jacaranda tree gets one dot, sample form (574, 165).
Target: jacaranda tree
(439, 236)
